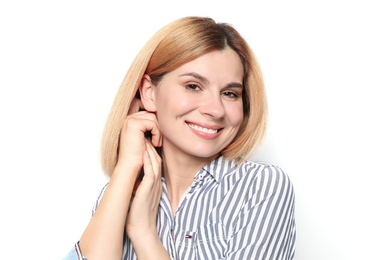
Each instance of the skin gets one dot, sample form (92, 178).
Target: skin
(204, 93)
(193, 113)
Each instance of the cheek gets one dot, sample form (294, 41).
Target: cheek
(169, 109)
(177, 106)
(236, 115)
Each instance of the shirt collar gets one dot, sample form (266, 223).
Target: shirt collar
(218, 167)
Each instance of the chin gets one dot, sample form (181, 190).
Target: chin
(208, 156)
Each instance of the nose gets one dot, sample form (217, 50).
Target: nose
(212, 105)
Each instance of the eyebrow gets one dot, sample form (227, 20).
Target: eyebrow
(206, 81)
(195, 75)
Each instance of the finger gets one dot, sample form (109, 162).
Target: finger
(155, 169)
(149, 124)
(147, 181)
(156, 137)
(155, 159)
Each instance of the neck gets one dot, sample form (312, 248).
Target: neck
(179, 172)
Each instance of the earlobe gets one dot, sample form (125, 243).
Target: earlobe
(146, 90)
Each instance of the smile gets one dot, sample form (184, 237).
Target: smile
(203, 129)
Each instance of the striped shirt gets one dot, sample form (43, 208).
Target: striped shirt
(230, 211)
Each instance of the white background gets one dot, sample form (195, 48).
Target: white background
(326, 67)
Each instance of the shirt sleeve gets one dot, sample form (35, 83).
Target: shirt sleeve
(75, 254)
(266, 225)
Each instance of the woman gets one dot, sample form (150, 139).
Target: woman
(188, 114)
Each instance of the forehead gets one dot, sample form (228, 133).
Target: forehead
(216, 66)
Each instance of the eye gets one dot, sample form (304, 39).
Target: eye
(192, 87)
(231, 94)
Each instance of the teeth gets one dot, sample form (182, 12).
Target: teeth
(202, 129)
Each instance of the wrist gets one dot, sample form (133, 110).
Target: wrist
(128, 168)
(145, 241)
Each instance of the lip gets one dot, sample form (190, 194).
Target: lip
(204, 131)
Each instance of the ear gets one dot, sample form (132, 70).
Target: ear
(147, 92)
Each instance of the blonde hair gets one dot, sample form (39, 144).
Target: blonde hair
(175, 44)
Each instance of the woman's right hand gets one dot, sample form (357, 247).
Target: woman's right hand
(103, 237)
(136, 147)
(132, 137)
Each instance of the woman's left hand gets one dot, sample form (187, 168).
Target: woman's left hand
(141, 220)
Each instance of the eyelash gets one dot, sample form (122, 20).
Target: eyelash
(231, 94)
(192, 87)
(227, 93)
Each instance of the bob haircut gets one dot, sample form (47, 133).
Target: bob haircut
(175, 44)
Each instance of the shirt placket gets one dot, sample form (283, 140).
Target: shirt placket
(195, 186)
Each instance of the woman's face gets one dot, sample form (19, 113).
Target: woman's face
(199, 105)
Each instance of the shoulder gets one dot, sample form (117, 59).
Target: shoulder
(267, 178)
(255, 168)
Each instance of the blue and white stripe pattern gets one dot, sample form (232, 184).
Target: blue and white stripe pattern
(230, 212)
